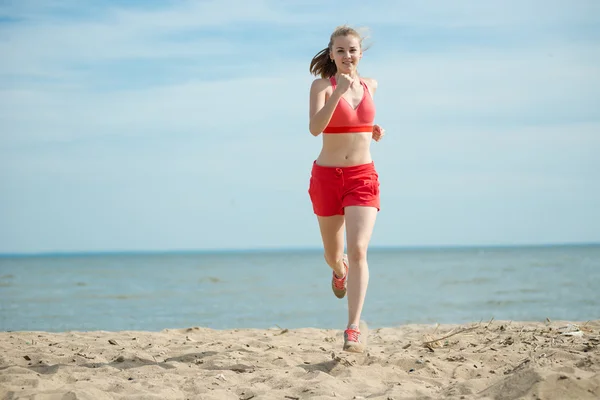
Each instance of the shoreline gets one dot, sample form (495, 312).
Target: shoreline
(481, 360)
(287, 249)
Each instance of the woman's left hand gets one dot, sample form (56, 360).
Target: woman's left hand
(378, 133)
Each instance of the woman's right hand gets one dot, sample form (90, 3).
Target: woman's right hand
(344, 82)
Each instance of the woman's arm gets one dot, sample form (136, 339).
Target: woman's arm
(321, 108)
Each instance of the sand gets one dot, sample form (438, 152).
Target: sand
(484, 360)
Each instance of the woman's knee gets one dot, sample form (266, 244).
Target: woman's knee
(333, 257)
(357, 253)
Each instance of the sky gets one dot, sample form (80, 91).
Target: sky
(183, 125)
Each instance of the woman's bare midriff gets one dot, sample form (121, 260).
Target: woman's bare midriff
(345, 149)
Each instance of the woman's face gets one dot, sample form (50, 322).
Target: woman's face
(346, 53)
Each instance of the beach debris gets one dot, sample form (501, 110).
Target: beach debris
(113, 342)
(406, 346)
(221, 377)
(508, 341)
(241, 368)
(432, 344)
(27, 358)
(80, 354)
(282, 330)
(520, 366)
(120, 359)
(571, 330)
(343, 361)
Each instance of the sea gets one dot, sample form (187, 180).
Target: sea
(292, 288)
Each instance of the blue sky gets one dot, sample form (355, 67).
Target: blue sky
(183, 125)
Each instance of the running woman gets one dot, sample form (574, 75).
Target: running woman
(344, 185)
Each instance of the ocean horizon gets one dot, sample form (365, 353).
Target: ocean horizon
(286, 249)
(290, 288)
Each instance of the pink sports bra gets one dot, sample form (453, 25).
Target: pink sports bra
(346, 119)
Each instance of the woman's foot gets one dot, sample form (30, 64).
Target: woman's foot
(355, 338)
(339, 284)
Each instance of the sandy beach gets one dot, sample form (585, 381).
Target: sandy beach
(482, 360)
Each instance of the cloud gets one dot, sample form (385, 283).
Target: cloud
(149, 120)
(502, 86)
(66, 31)
(470, 86)
(185, 67)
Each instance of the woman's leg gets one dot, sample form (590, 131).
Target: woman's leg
(332, 234)
(359, 227)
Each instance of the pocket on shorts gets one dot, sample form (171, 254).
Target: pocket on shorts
(375, 184)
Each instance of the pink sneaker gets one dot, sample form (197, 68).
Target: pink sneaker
(339, 284)
(355, 338)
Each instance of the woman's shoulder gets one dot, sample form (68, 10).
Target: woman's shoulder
(320, 84)
(371, 83)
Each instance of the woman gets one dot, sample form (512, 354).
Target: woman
(344, 185)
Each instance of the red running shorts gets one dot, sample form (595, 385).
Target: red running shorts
(333, 188)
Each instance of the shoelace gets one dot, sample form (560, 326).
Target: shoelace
(352, 335)
(338, 282)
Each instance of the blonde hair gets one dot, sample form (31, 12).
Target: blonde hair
(321, 64)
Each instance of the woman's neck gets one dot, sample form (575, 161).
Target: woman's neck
(353, 75)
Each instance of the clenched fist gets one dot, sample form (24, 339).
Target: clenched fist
(378, 132)
(344, 82)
